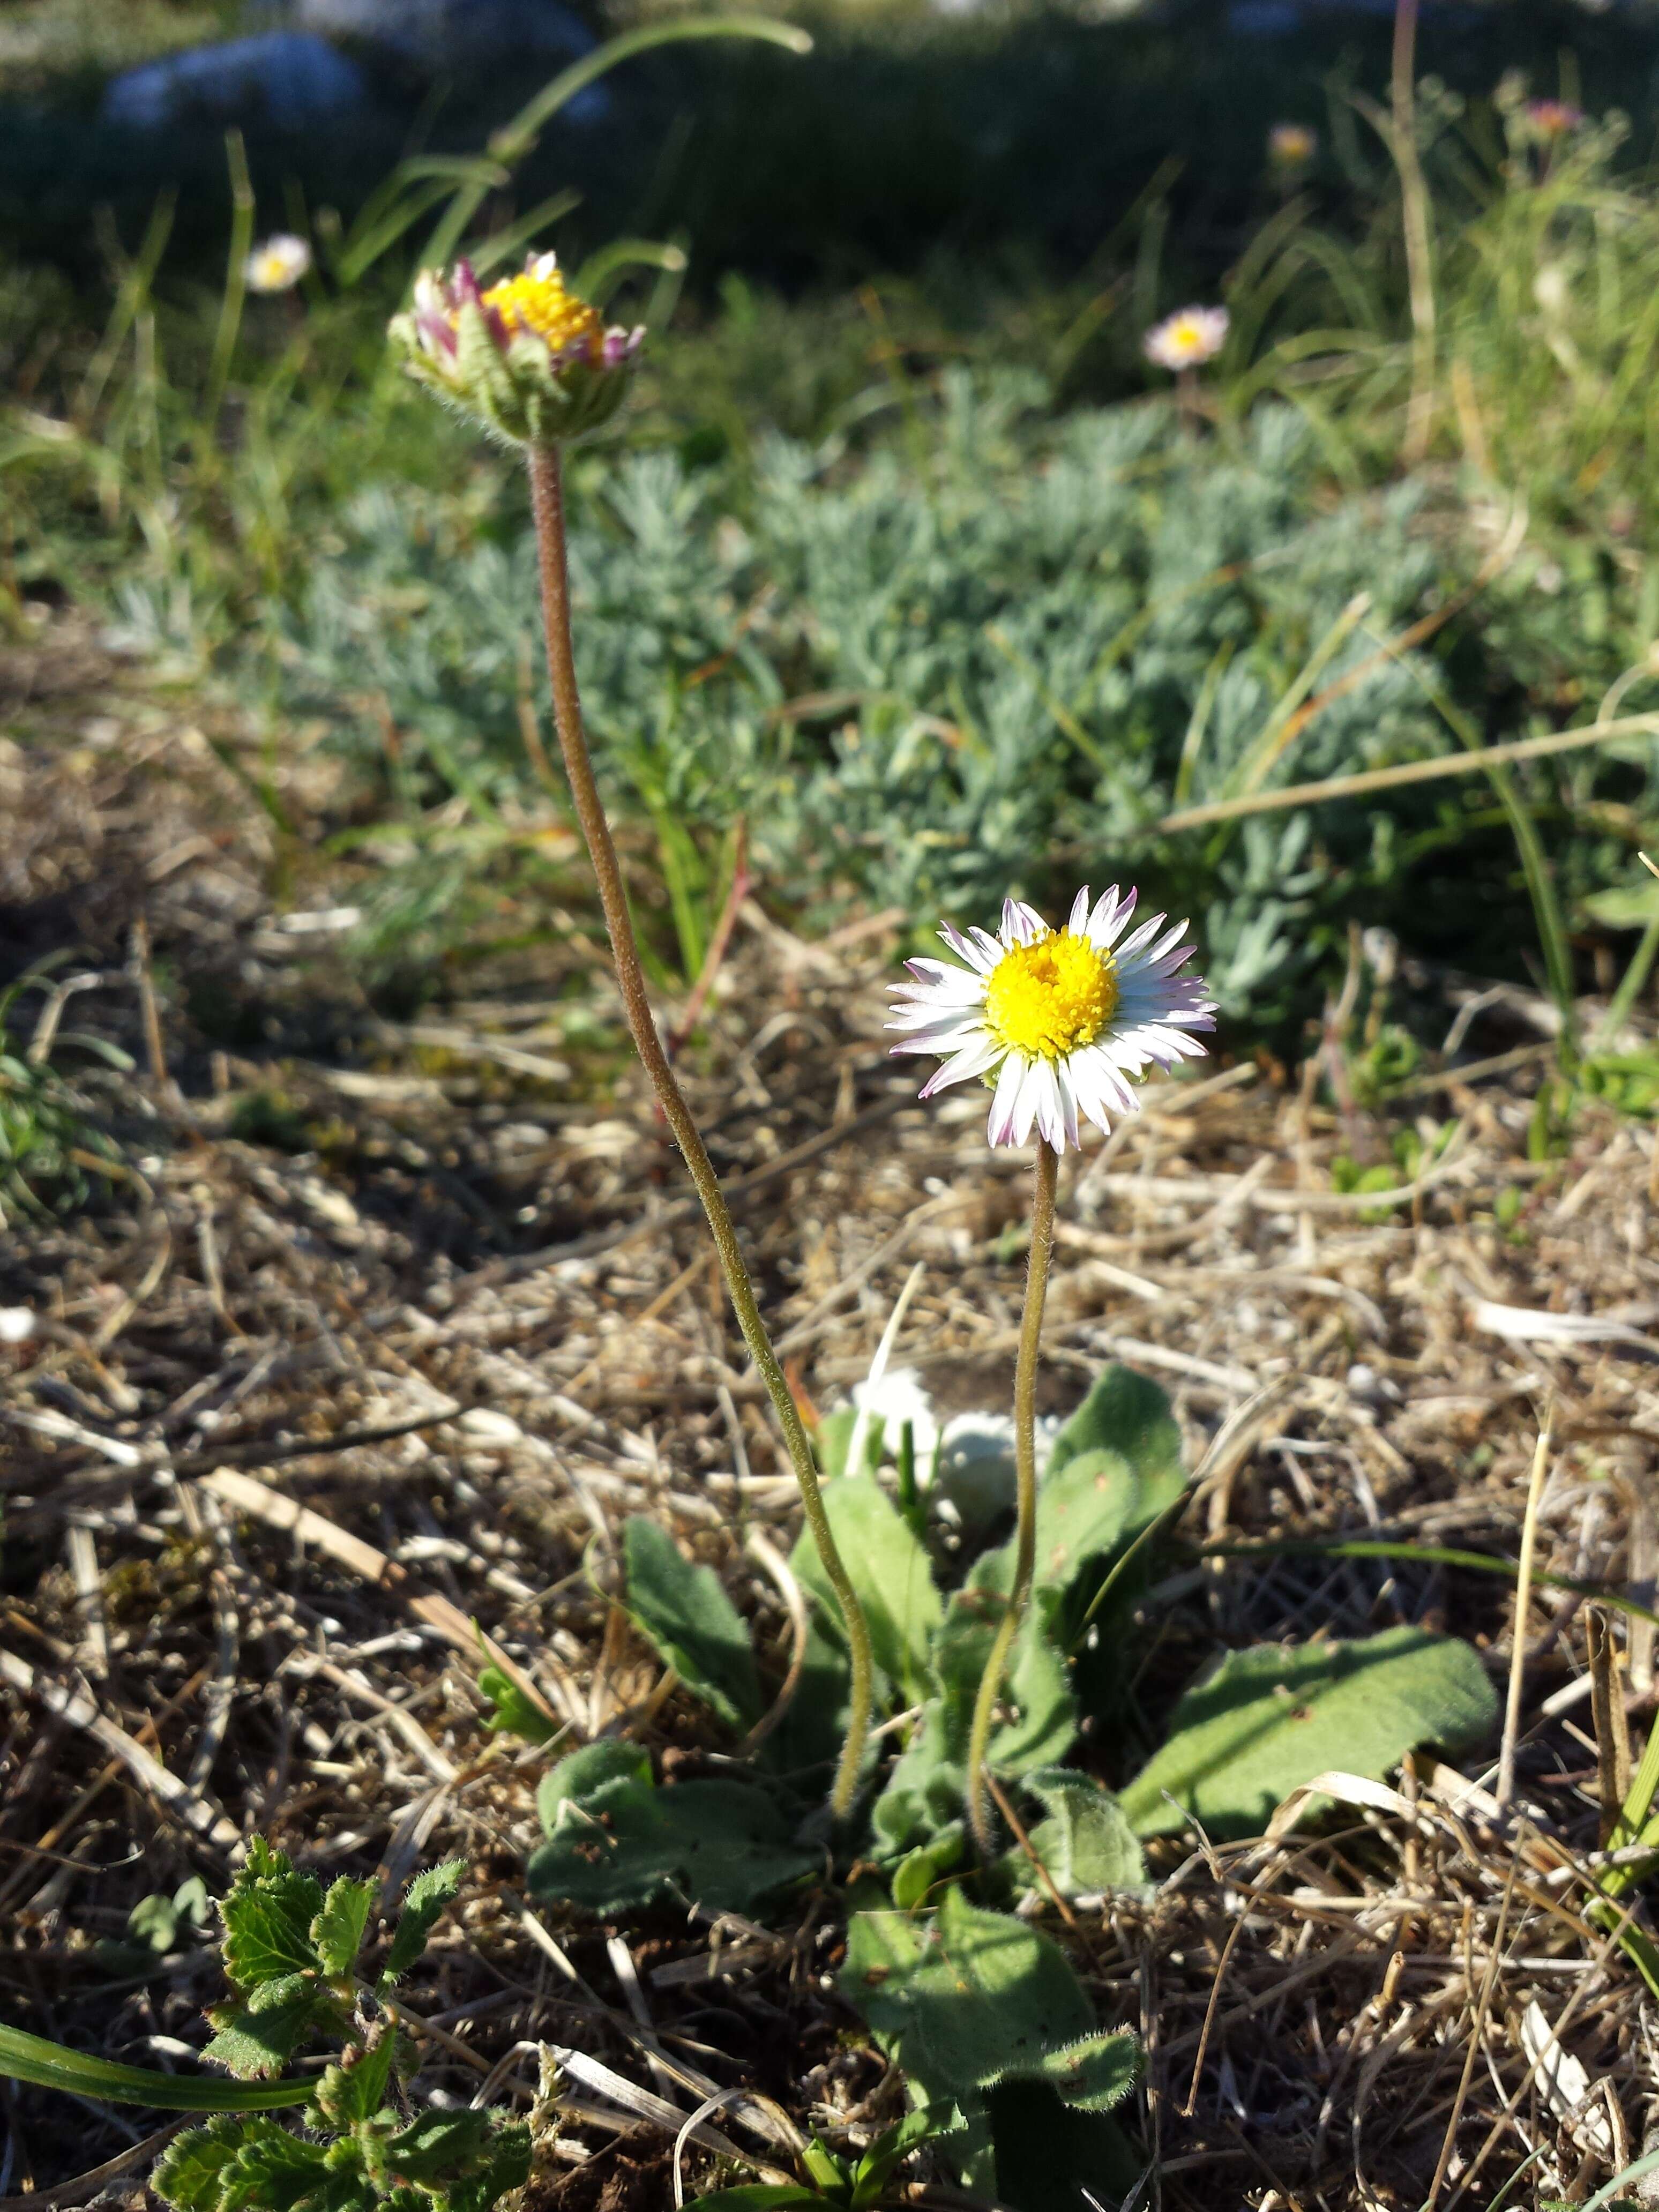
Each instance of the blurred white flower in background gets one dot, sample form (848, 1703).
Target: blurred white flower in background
(277, 263)
(1292, 145)
(1187, 338)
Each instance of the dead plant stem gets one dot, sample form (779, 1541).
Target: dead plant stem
(547, 499)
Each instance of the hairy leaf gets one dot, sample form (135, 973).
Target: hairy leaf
(1085, 1844)
(687, 1615)
(577, 1776)
(190, 2172)
(268, 1912)
(967, 1997)
(355, 2088)
(890, 1570)
(423, 1907)
(257, 2039)
(1114, 1467)
(435, 2143)
(1268, 1720)
(626, 1845)
(337, 1930)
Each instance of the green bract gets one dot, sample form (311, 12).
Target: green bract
(527, 358)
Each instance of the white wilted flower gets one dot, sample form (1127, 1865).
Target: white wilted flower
(1065, 1019)
(1187, 338)
(277, 263)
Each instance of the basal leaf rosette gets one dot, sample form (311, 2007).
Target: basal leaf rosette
(526, 357)
(1062, 1022)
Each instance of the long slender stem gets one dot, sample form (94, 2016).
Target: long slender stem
(1031, 1338)
(547, 498)
(1414, 210)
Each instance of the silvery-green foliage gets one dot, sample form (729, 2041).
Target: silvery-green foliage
(993, 646)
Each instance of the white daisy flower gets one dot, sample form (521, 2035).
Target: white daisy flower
(1187, 338)
(277, 264)
(1065, 1018)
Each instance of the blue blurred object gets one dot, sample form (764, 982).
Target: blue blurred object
(294, 73)
(463, 37)
(289, 78)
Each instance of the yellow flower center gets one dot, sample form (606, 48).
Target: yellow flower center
(538, 303)
(1187, 338)
(1051, 998)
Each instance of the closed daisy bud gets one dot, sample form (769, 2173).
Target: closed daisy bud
(1062, 1021)
(525, 356)
(1187, 338)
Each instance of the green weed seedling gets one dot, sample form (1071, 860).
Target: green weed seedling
(831, 2183)
(293, 1955)
(50, 1136)
(155, 1926)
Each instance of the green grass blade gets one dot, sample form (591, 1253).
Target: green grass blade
(52, 2066)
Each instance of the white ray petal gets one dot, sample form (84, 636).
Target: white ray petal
(1000, 1128)
(967, 950)
(1111, 917)
(973, 1059)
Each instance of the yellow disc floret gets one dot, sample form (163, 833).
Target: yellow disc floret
(535, 300)
(1052, 997)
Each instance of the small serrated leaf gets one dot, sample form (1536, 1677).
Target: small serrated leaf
(337, 1930)
(268, 1912)
(190, 2172)
(890, 1571)
(356, 2088)
(423, 1907)
(273, 2169)
(505, 2167)
(258, 2039)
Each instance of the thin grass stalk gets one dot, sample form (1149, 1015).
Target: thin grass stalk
(547, 499)
(1414, 218)
(1030, 1338)
(1630, 984)
(235, 295)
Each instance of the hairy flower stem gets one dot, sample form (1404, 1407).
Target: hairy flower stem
(1031, 1338)
(547, 500)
